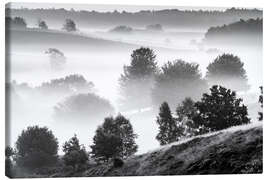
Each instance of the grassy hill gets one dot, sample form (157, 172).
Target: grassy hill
(237, 150)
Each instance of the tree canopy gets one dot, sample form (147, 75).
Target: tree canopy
(219, 110)
(42, 24)
(69, 25)
(36, 147)
(114, 138)
(228, 70)
(176, 81)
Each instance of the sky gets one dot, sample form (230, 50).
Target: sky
(106, 8)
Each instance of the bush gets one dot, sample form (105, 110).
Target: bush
(36, 147)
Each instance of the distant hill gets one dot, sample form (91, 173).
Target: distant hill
(243, 31)
(168, 18)
(237, 150)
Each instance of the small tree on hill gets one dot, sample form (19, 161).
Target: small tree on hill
(69, 25)
(57, 58)
(220, 109)
(261, 103)
(115, 138)
(36, 147)
(228, 70)
(186, 111)
(168, 130)
(75, 154)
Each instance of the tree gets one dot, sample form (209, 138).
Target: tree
(115, 138)
(75, 153)
(219, 110)
(16, 22)
(57, 58)
(261, 103)
(9, 152)
(168, 130)
(228, 70)
(36, 147)
(42, 24)
(186, 111)
(83, 107)
(176, 81)
(69, 25)
(138, 79)
(122, 29)
(154, 27)
(70, 84)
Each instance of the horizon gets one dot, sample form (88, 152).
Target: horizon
(105, 8)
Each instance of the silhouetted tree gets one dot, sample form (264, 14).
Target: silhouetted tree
(261, 103)
(227, 70)
(168, 130)
(137, 79)
(115, 138)
(82, 106)
(69, 25)
(42, 24)
(36, 147)
(176, 81)
(185, 112)
(57, 58)
(219, 110)
(9, 152)
(75, 153)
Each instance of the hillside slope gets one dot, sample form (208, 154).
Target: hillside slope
(236, 150)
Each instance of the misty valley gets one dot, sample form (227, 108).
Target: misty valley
(108, 91)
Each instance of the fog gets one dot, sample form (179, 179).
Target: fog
(99, 56)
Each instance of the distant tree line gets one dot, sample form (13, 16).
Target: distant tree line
(166, 17)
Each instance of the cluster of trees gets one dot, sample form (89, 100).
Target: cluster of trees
(16, 22)
(250, 29)
(217, 110)
(175, 80)
(37, 147)
(19, 22)
(154, 27)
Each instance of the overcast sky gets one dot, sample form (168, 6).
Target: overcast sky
(104, 8)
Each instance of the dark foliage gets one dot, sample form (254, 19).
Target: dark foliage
(122, 29)
(117, 162)
(185, 112)
(36, 147)
(82, 107)
(42, 24)
(75, 153)
(176, 81)
(9, 152)
(137, 79)
(168, 129)
(115, 138)
(219, 110)
(154, 27)
(228, 70)
(261, 103)
(16, 22)
(69, 25)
